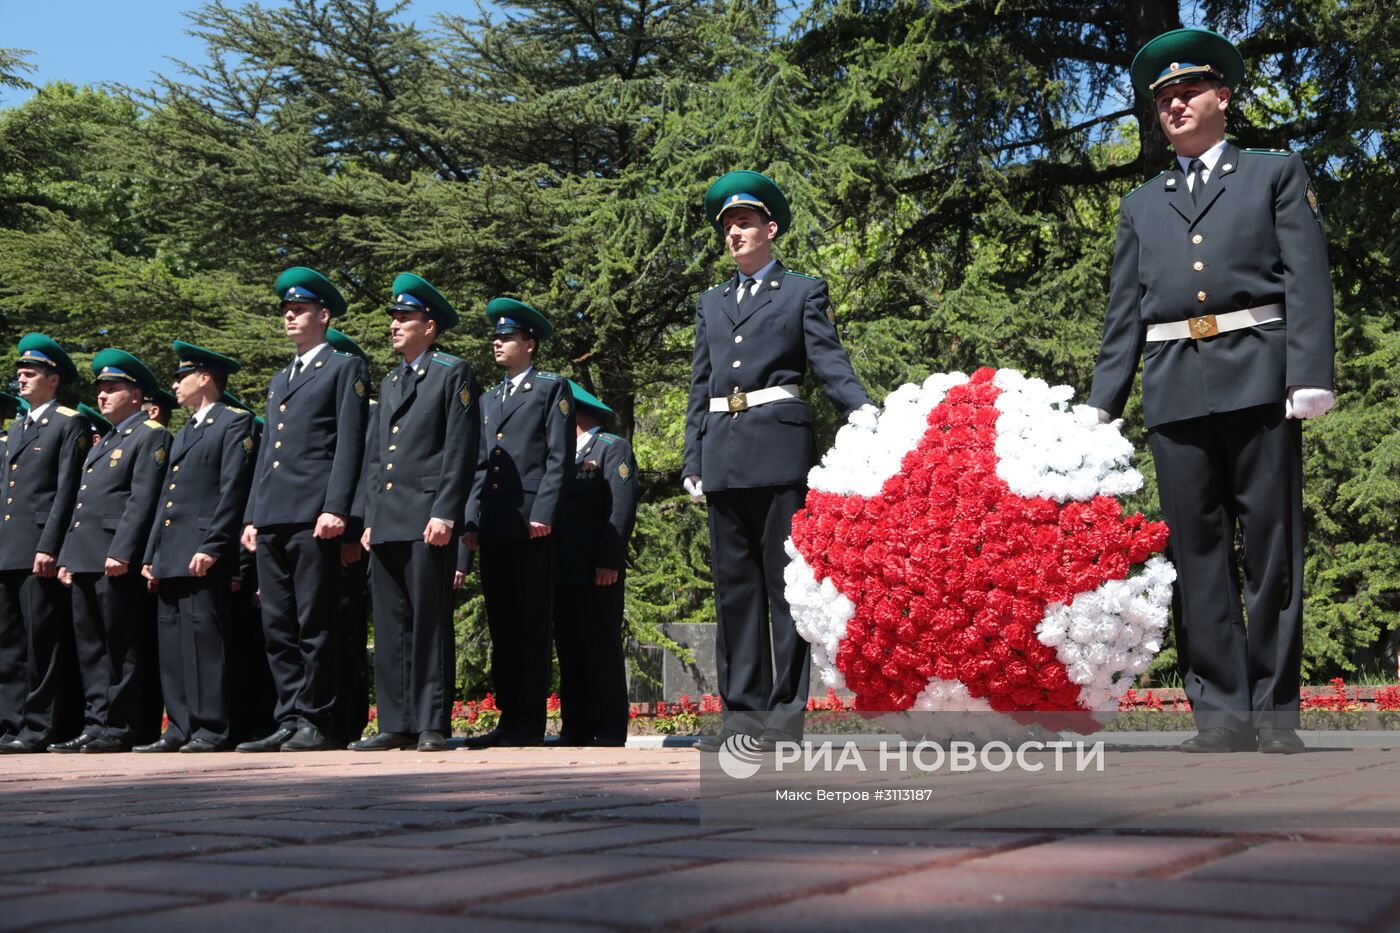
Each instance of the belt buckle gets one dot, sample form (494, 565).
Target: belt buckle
(1202, 327)
(738, 401)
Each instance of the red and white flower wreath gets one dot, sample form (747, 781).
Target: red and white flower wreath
(970, 553)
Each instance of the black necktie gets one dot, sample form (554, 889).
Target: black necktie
(1198, 180)
(28, 426)
(745, 291)
(296, 371)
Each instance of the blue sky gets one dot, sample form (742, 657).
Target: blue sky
(92, 41)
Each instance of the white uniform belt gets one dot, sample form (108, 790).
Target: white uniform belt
(741, 401)
(1209, 325)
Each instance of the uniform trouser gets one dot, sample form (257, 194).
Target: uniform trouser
(415, 657)
(252, 695)
(352, 672)
(40, 687)
(192, 622)
(13, 682)
(517, 581)
(1236, 471)
(763, 684)
(297, 576)
(108, 618)
(592, 670)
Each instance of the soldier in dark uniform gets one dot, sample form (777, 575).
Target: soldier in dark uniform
(595, 524)
(421, 462)
(302, 498)
(192, 552)
(1220, 283)
(526, 462)
(102, 556)
(97, 424)
(251, 691)
(43, 463)
(351, 712)
(160, 406)
(11, 406)
(749, 446)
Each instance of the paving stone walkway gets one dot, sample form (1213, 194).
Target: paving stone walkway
(619, 839)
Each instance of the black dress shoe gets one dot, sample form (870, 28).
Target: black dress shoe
(431, 742)
(106, 744)
(198, 746)
(73, 745)
(383, 742)
(485, 740)
(713, 743)
(307, 739)
(499, 739)
(20, 747)
(563, 741)
(601, 742)
(1219, 739)
(161, 744)
(273, 743)
(1280, 742)
(769, 739)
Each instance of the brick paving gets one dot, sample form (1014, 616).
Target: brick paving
(628, 839)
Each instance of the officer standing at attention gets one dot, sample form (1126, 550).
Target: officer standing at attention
(252, 692)
(102, 555)
(1220, 283)
(192, 552)
(526, 462)
(97, 424)
(160, 406)
(749, 446)
(595, 524)
(351, 712)
(44, 452)
(421, 462)
(302, 497)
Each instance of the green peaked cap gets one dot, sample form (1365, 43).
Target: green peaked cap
(415, 293)
(302, 284)
(113, 365)
(164, 399)
(588, 400)
(339, 340)
(747, 189)
(233, 401)
(1185, 55)
(12, 405)
(191, 356)
(507, 315)
(94, 417)
(39, 348)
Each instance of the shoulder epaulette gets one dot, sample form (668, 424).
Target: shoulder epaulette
(153, 423)
(348, 356)
(1272, 152)
(440, 357)
(717, 287)
(607, 438)
(65, 412)
(800, 275)
(1143, 185)
(541, 374)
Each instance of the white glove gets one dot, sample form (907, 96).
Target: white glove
(1306, 402)
(866, 417)
(692, 486)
